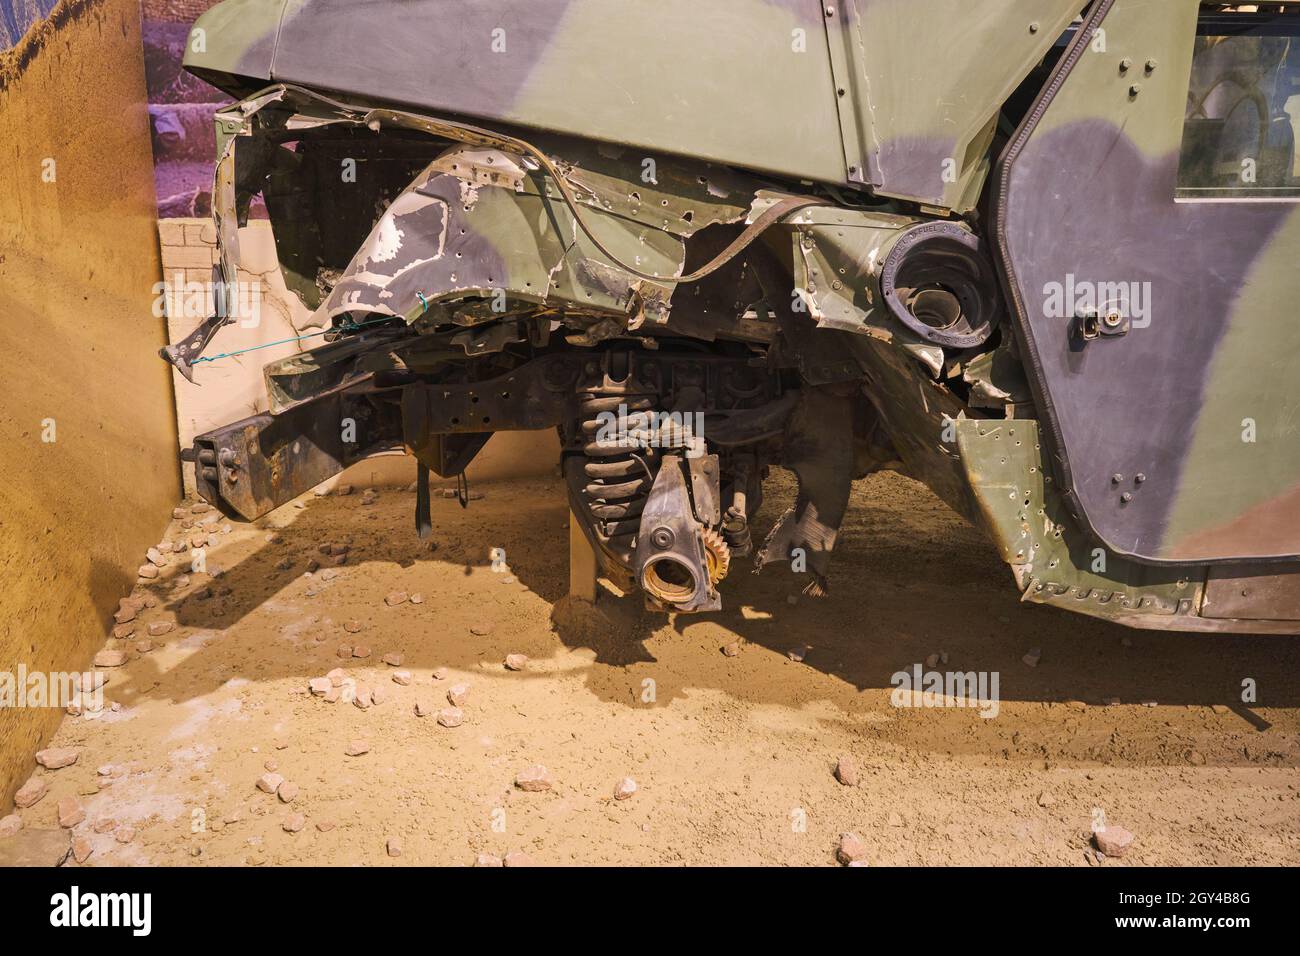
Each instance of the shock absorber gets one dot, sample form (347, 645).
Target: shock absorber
(613, 474)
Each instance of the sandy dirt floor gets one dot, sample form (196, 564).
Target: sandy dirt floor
(733, 757)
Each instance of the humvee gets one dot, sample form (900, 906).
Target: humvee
(1038, 254)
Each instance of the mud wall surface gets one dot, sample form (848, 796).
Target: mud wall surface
(88, 471)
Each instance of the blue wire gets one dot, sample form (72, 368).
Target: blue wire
(347, 327)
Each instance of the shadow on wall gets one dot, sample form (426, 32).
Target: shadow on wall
(180, 112)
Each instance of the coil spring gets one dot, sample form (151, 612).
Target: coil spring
(619, 472)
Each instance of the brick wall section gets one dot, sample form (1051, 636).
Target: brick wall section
(189, 246)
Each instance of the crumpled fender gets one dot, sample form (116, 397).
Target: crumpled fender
(479, 223)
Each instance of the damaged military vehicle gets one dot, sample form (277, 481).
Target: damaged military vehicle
(1037, 254)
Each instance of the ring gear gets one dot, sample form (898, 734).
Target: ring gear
(718, 555)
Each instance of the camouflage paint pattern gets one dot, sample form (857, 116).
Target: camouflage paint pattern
(1167, 402)
(863, 91)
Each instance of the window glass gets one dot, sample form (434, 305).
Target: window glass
(1243, 106)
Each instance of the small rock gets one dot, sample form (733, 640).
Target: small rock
(402, 677)
(457, 694)
(125, 612)
(71, 812)
(124, 834)
(343, 490)
(1032, 658)
(797, 654)
(932, 661)
(624, 789)
(480, 630)
(1113, 841)
(294, 822)
(56, 758)
(363, 697)
(337, 676)
(325, 826)
(378, 695)
(345, 650)
(516, 662)
(535, 778)
(1196, 759)
(487, 859)
(846, 771)
(451, 717)
(287, 791)
(269, 782)
(352, 627)
(159, 628)
(423, 708)
(392, 659)
(143, 647)
(394, 846)
(147, 571)
(731, 650)
(155, 557)
(357, 747)
(122, 631)
(518, 858)
(361, 652)
(1219, 708)
(81, 849)
(30, 793)
(109, 658)
(1045, 799)
(320, 686)
(394, 598)
(417, 598)
(440, 673)
(10, 825)
(851, 849)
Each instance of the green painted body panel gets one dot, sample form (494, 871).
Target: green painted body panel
(874, 92)
(929, 79)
